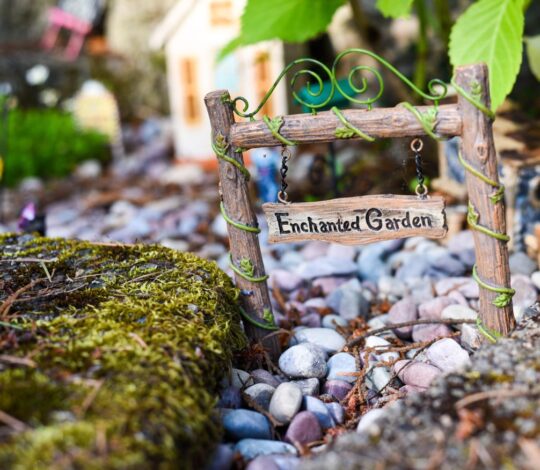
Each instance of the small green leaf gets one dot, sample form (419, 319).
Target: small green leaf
(344, 133)
(288, 20)
(394, 8)
(533, 54)
(491, 31)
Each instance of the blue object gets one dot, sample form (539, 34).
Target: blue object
(266, 161)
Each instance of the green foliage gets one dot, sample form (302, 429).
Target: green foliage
(48, 144)
(394, 8)
(127, 347)
(533, 54)
(491, 31)
(288, 20)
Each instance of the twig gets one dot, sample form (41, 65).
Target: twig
(392, 326)
(20, 361)
(504, 393)
(12, 422)
(6, 305)
(28, 260)
(11, 325)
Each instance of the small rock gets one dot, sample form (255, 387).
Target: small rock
(463, 240)
(251, 448)
(314, 250)
(421, 289)
(403, 311)
(337, 412)
(88, 170)
(316, 305)
(222, 458)
(285, 402)
(285, 280)
(371, 265)
(238, 378)
(525, 294)
(332, 321)
(304, 428)
(311, 320)
(341, 364)
(261, 394)
(263, 462)
(429, 332)
(470, 336)
(445, 286)
(308, 386)
(377, 378)
(415, 373)
(337, 388)
(230, 397)
(432, 309)
(448, 265)
(303, 361)
(535, 278)
(265, 377)
(447, 355)
(243, 424)
(324, 267)
(346, 252)
(411, 389)
(291, 260)
(328, 284)
(459, 298)
(318, 408)
(413, 267)
(349, 301)
(369, 419)
(470, 289)
(458, 312)
(392, 287)
(376, 341)
(521, 263)
(327, 339)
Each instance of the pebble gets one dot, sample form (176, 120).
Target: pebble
(222, 458)
(447, 355)
(432, 309)
(327, 339)
(333, 321)
(285, 280)
(416, 373)
(308, 386)
(311, 320)
(285, 402)
(337, 412)
(328, 284)
(448, 265)
(263, 462)
(337, 388)
(265, 377)
(525, 294)
(375, 341)
(377, 378)
(421, 289)
(470, 336)
(261, 394)
(371, 265)
(304, 428)
(521, 263)
(316, 305)
(347, 300)
(325, 266)
(341, 364)
(318, 408)
(313, 250)
(429, 332)
(305, 360)
(535, 278)
(369, 419)
(459, 312)
(291, 260)
(446, 285)
(458, 297)
(243, 424)
(238, 378)
(392, 287)
(251, 448)
(346, 252)
(403, 311)
(230, 397)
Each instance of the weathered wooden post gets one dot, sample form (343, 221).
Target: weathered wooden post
(246, 258)
(486, 204)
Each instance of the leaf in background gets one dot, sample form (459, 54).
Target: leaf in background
(491, 31)
(533, 54)
(394, 8)
(288, 20)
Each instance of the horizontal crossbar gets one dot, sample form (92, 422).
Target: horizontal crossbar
(377, 123)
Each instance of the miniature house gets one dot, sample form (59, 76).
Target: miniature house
(192, 34)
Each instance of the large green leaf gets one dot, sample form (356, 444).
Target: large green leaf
(288, 20)
(533, 54)
(394, 8)
(491, 31)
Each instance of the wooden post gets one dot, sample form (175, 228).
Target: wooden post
(478, 150)
(243, 244)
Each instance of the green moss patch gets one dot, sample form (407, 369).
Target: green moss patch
(110, 356)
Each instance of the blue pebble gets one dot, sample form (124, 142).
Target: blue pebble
(340, 364)
(230, 398)
(337, 412)
(242, 424)
(251, 448)
(318, 408)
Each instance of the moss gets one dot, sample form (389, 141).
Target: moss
(123, 351)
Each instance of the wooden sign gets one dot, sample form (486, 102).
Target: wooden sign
(356, 220)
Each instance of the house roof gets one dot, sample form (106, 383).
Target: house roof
(168, 26)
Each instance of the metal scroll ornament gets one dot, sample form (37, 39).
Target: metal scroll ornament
(356, 80)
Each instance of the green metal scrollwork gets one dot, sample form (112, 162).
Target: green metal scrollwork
(240, 104)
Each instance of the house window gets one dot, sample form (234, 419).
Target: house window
(188, 73)
(221, 13)
(263, 80)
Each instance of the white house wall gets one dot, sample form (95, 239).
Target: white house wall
(195, 38)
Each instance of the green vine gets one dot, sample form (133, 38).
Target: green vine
(349, 130)
(246, 270)
(270, 325)
(498, 195)
(491, 335)
(505, 293)
(474, 97)
(238, 225)
(220, 147)
(428, 120)
(274, 125)
(473, 217)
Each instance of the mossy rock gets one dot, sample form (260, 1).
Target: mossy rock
(110, 355)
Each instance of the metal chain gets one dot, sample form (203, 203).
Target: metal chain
(421, 189)
(285, 157)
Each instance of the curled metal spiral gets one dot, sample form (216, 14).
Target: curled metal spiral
(358, 84)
